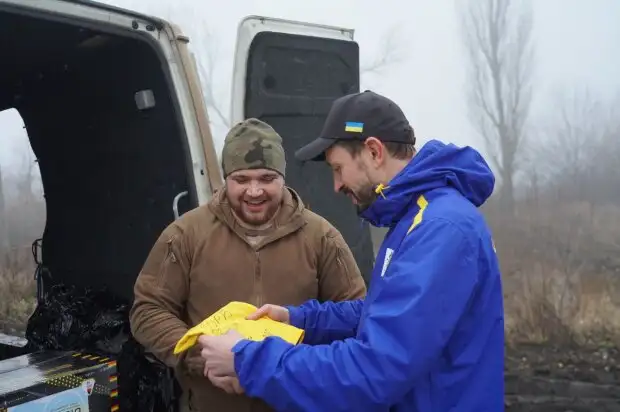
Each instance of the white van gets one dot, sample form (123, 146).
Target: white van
(113, 109)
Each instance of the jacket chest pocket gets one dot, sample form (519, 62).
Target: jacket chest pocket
(287, 278)
(223, 275)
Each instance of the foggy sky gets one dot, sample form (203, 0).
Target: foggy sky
(576, 45)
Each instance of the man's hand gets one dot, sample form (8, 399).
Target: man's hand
(229, 384)
(217, 353)
(277, 313)
(194, 363)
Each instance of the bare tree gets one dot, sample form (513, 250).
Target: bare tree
(206, 68)
(497, 35)
(569, 144)
(391, 52)
(579, 148)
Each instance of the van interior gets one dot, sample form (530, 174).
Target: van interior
(107, 135)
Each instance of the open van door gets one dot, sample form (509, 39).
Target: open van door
(288, 74)
(115, 116)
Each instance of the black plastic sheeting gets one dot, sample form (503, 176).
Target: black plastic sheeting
(96, 322)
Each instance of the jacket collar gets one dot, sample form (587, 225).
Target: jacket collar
(288, 219)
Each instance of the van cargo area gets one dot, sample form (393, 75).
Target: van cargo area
(107, 133)
(110, 171)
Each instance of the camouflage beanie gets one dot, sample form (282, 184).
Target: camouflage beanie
(252, 144)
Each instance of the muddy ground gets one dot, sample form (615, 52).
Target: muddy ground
(544, 378)
(539, 378)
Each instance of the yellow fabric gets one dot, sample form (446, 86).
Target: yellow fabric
(233, 316)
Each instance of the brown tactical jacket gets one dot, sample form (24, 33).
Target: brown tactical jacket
(203, 260)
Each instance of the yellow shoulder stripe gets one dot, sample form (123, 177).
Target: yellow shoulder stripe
(422, 204)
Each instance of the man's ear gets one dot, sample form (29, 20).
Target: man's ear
(376, 149)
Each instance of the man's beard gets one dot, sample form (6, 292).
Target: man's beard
(246, 210)
(364, 197)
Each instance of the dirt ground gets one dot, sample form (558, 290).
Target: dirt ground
(541, 378)
(544, 378)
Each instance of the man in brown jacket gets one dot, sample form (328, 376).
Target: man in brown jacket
(253, 242)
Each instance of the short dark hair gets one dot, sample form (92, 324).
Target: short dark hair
(401, 151)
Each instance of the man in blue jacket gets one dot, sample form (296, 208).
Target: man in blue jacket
(429, 336)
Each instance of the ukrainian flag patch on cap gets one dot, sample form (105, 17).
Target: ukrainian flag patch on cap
(354, 127)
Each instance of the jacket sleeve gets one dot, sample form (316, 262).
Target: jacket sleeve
(340, 282)
(339, 276)
(161, 291)
(328, 321)
(422, 296)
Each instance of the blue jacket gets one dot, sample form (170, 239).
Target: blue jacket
(429, 336)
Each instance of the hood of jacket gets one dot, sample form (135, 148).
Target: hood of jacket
(288, 219)
(436, 165)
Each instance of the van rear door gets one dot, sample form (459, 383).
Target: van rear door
(114, 114)
(288, 74)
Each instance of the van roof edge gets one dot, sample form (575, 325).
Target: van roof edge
(159, 22)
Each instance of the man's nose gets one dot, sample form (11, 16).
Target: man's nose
(254, 190)
(337, 185)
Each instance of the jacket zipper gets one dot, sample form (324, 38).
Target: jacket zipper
(258, 286)
(170, 256)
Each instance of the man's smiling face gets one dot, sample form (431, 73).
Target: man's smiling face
(351, 176)
(255, 194)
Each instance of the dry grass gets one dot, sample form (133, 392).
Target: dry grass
(560, 263)
(561, 268)
(561, 272)
(545, 306)
(17, 292)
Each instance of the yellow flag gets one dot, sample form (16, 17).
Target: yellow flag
(233, 316)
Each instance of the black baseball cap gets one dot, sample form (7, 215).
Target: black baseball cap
(356, 117)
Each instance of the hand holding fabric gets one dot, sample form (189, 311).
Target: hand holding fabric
(228, 384)
(217, 353)
(193, 361)
(273, 312)
(235, 316)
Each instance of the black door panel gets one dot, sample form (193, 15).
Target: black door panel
(292, 82)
